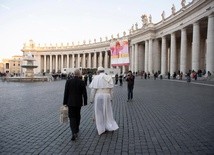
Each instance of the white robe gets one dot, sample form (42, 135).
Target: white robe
(101, 94)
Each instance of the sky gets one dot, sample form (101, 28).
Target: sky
(67, 21)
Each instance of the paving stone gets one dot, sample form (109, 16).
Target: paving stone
(165, 117)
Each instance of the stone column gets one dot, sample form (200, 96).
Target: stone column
(78, 60)
(163, 56)
(146, 55)
(100, 59)
(106, 59)
(140, 58)
(72, 64)
(132, 57)
(210, 45)
(56, 70)
(173, 54)
(95, 60)
(89, 60)
(67, 65)
(123, 69)
(136, 58)
(150, 56)
(39, 64)
(183, 58)
(62, 62)
(196, 47)
(45, 63)
(156, 58)
(51, 63)
(109, 60)
(83, 61)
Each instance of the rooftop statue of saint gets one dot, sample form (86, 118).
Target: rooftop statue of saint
(118, 35)
(163, 15)
(133, 27)
(124, 33)
(130, 31)
(173, 9)
(144, 19)
(183, 3)
(150, 18)
(136, 26)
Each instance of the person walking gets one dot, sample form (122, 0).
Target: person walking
(90, 77)
(101, 94)
(116, 79)
(130, 85)
(188, 78)
(75, 96)
(121, 79)
(86, 79)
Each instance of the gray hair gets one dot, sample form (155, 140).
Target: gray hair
(77, 72)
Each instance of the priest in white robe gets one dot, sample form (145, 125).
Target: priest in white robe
(101, 95)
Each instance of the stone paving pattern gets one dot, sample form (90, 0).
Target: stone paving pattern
(165, 117)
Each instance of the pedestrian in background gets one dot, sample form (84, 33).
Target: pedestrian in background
(188, 78)
(75, 96)
(121, 79)
(101, 94)
(116, 79)
(130, 85)
(90, 77)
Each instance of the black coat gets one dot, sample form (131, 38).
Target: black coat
(130, 80)
(75, 93)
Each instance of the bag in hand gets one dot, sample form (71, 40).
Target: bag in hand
(64, 114)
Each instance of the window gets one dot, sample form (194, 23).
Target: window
(7, 65)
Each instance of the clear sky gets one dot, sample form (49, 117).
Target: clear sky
(62, 21)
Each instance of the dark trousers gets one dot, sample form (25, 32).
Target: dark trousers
(130, 93)
(74, 116)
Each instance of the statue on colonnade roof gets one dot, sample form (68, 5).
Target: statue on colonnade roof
(124, 33)
(163, 15)
(173, 9)
(183, 3)
(144, 19)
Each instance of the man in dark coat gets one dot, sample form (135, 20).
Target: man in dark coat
(75, 96)
(130, 85)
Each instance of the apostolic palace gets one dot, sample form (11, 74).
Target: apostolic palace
(182, 41)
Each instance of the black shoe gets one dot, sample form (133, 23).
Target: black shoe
(74, 137)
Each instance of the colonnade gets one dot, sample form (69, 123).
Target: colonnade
(188, 48)
(182, 42)
(56, 61)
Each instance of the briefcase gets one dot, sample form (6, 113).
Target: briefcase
(64, 114)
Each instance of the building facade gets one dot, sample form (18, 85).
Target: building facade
(12, 65)
(181, 42)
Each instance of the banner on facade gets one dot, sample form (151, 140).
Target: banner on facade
(119, 52)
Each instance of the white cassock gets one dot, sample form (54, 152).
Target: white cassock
(101, 93)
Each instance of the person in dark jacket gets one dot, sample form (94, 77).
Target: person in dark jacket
(75, 96)
(130, 84)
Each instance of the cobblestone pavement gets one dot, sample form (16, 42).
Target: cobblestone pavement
(165, 117)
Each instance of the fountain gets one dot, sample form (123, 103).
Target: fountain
(28, 65)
